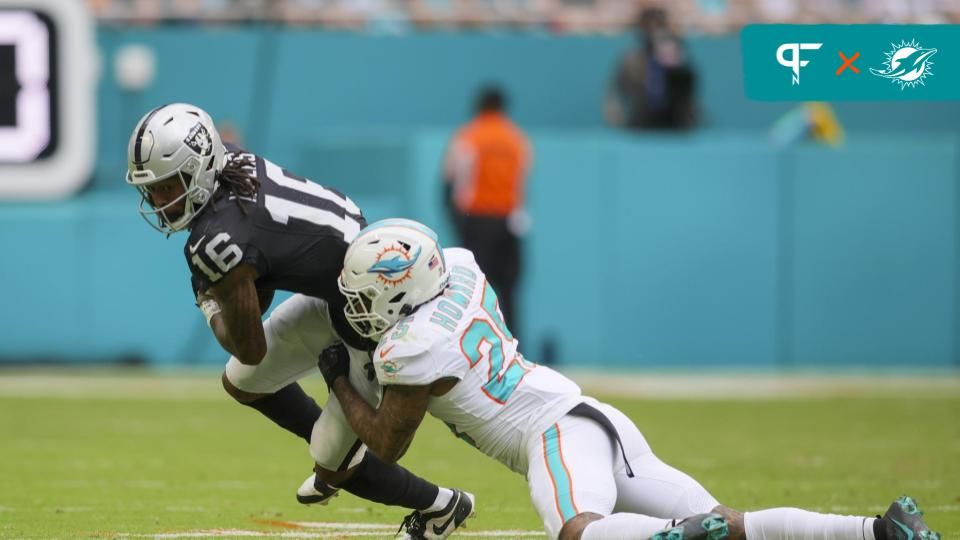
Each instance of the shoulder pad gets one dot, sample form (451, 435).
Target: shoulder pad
(403, 355)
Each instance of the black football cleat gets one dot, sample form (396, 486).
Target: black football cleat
(440, 524)
(904, 521)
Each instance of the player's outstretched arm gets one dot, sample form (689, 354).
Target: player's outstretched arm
(239, 327)
(388, 430)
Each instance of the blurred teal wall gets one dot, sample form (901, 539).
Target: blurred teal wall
(282, 88)
(706, 250)
(715, 249)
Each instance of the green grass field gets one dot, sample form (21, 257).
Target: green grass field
(168, 457)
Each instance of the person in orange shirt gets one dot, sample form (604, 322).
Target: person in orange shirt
(484, 172)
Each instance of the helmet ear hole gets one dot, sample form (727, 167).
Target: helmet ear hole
(201, 195)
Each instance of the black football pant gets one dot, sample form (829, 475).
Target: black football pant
(497, 251)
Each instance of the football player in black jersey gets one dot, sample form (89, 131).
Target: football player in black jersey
(254, 228)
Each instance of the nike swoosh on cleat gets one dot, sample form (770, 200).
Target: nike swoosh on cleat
(440, 529)
(904, 528)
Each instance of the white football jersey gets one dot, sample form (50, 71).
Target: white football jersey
(500, 399)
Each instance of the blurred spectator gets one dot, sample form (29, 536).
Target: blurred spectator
(150, 11)
(328, 13)
(375, 15)
(230, 133)
(484, 173)
(654, 86)
(581, 16)
(105, 8)
(707, 16)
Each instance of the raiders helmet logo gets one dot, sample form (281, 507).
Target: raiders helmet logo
(199, 140)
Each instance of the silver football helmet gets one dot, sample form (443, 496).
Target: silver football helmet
(176, 140)
(390, 268)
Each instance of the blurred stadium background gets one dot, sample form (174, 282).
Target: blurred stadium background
(821, 279)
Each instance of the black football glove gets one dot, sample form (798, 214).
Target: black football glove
(334, 363)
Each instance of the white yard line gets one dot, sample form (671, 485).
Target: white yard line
(236, 533)
(391, 529)
(335, 526)
(314, 529)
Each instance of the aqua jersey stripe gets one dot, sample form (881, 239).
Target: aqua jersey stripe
(562, 485)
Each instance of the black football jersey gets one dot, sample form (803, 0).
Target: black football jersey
(295, 232)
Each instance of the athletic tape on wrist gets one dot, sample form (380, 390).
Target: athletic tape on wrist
(209, 307)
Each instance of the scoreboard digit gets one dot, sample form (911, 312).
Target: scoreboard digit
(47, 75)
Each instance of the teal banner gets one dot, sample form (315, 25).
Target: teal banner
(783, 62)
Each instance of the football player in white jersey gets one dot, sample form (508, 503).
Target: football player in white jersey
(444, 348)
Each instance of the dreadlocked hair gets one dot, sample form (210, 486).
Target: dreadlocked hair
(239, 178)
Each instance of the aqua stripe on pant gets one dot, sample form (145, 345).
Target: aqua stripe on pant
(562, 485)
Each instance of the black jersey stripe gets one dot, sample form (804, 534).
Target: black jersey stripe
(137, 157)
(359, 219)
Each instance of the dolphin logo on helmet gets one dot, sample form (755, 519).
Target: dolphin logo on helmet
(390, 268)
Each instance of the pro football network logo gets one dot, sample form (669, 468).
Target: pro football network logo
(393, 264)
(907, 64)
(794, 62)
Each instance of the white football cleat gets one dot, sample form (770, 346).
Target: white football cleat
(314, 491)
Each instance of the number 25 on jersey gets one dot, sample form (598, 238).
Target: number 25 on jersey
(491, 330)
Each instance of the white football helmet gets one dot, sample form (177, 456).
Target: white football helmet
(175, 140)
(390, 268)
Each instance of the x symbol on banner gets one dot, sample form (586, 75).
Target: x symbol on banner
(848, 62)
